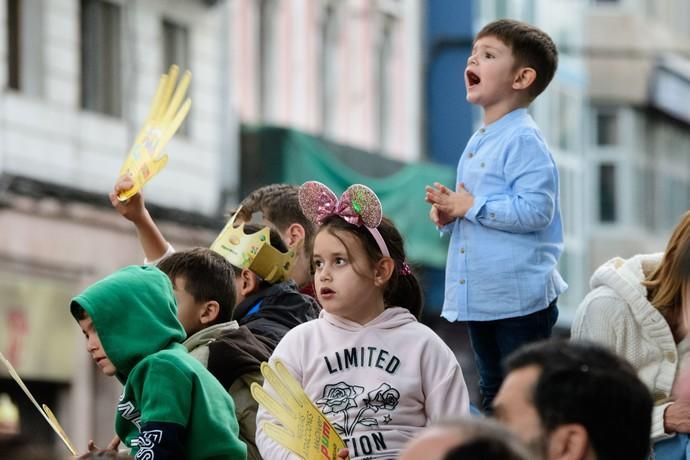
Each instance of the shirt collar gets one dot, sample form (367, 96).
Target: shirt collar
(504, 120)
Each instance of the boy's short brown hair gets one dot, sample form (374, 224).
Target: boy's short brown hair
(279, 204)
(531, 47)
(208, 275)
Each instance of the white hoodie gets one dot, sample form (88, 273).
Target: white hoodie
(379, 384)
(617, 314)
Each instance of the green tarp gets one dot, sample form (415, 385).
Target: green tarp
(272, 155)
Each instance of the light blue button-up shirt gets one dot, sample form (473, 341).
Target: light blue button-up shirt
(503, 254)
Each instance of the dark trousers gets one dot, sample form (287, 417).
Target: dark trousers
(493, 341)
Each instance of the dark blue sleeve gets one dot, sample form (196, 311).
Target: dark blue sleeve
(160, 441)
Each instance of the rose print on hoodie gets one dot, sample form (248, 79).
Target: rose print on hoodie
(338, 398)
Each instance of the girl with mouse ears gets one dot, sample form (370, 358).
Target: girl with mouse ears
(375, 372)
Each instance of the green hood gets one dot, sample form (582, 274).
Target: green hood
(135, 314)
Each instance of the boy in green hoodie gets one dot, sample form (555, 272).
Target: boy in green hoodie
(171, 407)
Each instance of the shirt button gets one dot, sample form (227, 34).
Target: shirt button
(482, 130)
(470, 155)
(492, 215)
(462, 281)
(671, 357)
(462, 250)
(482, 164)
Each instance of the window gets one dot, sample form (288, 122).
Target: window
(567, 204)
(13, 55)
(567, 120)
(176, 51)
(675, 196)
(328, 61)
(501, 9)
(267, 12)
(101, 59)
(24, 46)
(607, 193)
(384, 80)
(646, 196)
(606, 127)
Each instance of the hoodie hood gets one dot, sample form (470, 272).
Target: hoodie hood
(209, 334)
(625, 276)
(391, 318)
(134, 313)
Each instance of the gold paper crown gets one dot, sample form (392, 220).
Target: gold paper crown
(253, 251)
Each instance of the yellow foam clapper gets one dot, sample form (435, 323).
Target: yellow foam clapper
(146, 157)
(303, 428)
(44, 410)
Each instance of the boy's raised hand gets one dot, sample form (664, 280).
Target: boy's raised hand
(133, 209)
(447, 204)
(146, 157)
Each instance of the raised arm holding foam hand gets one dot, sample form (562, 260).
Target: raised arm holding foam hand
(146, 157)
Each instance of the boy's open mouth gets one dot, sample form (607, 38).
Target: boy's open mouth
(472, 78)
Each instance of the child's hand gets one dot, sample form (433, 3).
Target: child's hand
(438, 217)
(110, 449)
(133, 209)
(114, 443)
(449, 204)
(344, 453)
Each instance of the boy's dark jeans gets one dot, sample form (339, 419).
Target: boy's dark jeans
(493, 341)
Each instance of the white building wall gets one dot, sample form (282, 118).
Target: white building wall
(50, 138)
(46, 136)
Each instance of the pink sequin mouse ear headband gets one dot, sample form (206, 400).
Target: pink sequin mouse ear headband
(358, 205)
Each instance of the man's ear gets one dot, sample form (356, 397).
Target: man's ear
(568, 442)
(209, 312)
(250, 282)
(383, 270)
(294, 234)
(524, 77)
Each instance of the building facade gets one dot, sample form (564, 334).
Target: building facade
(77, 77)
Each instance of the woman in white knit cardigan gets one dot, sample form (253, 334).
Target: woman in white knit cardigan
(640, 308)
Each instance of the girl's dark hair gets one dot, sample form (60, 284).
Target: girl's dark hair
(402, 290)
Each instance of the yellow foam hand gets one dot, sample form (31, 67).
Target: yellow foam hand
(167, 112)
(303, 429)
(45, 410)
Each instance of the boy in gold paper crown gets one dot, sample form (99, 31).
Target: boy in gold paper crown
(268, 302)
